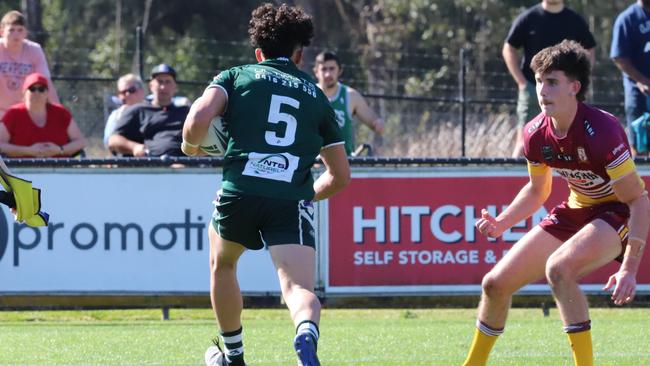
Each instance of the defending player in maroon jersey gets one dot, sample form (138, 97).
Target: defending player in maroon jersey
(606, 216)
(592, 155)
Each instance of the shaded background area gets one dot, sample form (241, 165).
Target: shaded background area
(403, 55)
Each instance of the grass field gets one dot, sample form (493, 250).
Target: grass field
(349, 337)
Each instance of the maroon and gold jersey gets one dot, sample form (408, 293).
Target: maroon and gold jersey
(592, 156)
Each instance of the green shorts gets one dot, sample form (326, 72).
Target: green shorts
(527, 106)
(256, 222)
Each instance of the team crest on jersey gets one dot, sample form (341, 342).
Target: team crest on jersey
(590, 130)
(582, 154)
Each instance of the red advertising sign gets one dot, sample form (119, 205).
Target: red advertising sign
(419, 231)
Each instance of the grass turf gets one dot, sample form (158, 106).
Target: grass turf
(349, 337)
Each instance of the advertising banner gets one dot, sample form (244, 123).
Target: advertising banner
(111, 231)
(405, 233)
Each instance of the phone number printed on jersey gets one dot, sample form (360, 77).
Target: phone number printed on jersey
(286, 80)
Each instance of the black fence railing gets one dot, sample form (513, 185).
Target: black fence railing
(204, 162)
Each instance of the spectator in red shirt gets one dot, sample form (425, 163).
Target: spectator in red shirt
(38, 128)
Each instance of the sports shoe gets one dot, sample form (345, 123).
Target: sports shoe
(214, 356)
(306, 350)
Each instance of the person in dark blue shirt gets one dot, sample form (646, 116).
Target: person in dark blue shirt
(631, 53)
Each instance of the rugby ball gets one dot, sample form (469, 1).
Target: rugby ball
(215, 141)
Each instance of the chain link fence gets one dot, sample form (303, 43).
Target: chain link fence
(419, 95)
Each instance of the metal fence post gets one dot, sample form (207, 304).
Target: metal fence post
(462, 99)
(139, 46)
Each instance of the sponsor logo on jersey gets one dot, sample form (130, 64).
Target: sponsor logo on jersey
(271, 166)
(547, 152)
(535, 125)
(580, 178)
(618, 149)
(590, 130)
(582, 154)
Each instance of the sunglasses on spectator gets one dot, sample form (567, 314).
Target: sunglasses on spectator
(37, 88)
(130, 90)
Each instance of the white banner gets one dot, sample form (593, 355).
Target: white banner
(120, 231)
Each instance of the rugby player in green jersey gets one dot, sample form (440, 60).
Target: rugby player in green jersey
(348, 103)
(277, 121)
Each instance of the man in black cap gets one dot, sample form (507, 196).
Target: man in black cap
(152, 128)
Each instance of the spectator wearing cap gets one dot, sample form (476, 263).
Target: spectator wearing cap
(38, 128)
(152, 128)
(19, 57)
(130, 91)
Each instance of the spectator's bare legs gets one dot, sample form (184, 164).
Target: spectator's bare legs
(524, 263)
(592, 247)
(518, 150)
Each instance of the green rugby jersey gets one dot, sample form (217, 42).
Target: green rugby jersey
(340, 102)
(277, 121)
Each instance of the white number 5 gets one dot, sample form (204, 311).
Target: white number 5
(275, 116)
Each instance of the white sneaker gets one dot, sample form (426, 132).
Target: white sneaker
(214, 356)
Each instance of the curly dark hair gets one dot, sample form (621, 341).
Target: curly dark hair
(279, 31)
(567, 56)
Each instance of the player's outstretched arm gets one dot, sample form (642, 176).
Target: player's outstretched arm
(630, 190)
(529, 199)
(336, 175)
(209, 105)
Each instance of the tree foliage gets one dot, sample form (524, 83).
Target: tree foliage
(395, 46)
(388, 47)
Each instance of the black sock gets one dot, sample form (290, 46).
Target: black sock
(233, 345)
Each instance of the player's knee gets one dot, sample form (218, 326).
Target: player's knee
(557, 272)
(494, 286)
(219, 265)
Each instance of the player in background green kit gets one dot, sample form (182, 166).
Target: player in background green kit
(348, 103)
(277, 122)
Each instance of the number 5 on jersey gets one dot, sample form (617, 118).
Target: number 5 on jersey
(275, 116)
